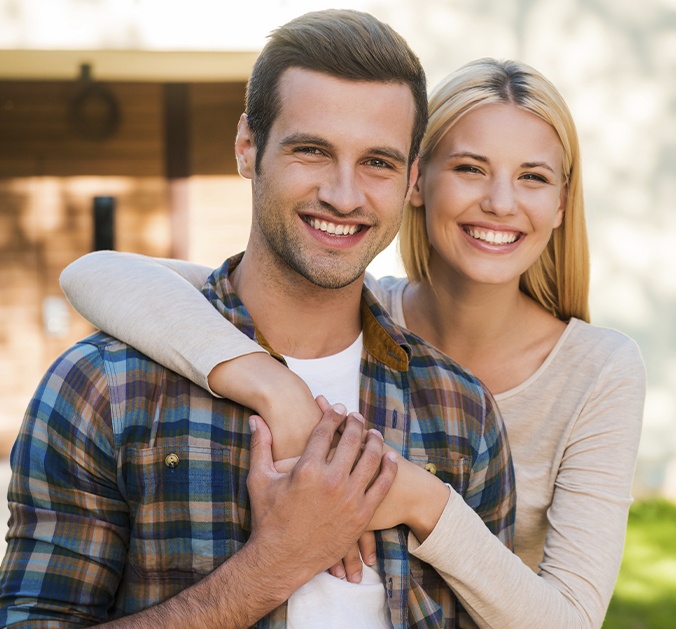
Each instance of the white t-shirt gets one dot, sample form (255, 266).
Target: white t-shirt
(326, 601)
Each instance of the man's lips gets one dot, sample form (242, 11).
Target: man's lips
(491, 236)
(331, 228)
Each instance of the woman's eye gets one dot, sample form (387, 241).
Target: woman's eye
(534, 177)
(467, 168)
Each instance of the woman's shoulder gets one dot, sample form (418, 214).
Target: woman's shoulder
(596, 353)
(389, 292)
(584, 338)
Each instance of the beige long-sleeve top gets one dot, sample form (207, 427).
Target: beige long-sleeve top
(574, 428)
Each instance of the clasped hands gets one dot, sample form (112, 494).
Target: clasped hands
(313, 508)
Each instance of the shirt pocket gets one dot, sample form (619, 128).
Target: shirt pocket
(185, 519)
(454, 470)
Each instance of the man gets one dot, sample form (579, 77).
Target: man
(132, 497)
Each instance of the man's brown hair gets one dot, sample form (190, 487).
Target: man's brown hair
(342, 43)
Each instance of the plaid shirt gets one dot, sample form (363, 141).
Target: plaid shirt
(129, 481)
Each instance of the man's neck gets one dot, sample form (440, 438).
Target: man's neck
(296, 317)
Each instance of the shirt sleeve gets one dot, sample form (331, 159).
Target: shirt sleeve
(68, 530)
(587, 522)
(154, 304)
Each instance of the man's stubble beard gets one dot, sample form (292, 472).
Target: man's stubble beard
(332, 270)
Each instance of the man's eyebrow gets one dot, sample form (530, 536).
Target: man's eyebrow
(391, 154)
(296, 139)
(304, 138)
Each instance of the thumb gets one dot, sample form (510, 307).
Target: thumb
(261, 444)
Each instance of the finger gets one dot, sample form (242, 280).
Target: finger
(353, 565)
(369, 463)
(382, 484)
(349, 447)
(283, 466)
(319, 443)
(338, 570)
(323, 403)
(261, 451)
(367, 547)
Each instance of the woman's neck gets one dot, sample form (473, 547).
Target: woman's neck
(496, 331)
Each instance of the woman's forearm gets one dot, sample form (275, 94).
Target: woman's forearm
(155, 305)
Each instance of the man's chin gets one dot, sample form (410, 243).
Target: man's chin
(332, 279)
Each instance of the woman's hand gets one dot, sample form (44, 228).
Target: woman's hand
(416, 499)
(351, 566)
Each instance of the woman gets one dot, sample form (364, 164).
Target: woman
(494, 245)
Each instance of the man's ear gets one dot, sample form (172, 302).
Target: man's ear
(417, 197)
(412, 178)
(245, 151)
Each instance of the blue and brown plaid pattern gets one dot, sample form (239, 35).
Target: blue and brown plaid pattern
(129, 482)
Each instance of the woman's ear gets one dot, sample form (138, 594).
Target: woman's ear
(563, 199)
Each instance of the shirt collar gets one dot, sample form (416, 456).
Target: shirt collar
(383, 339)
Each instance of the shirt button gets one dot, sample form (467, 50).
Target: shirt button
(431, 468)
(171, 460)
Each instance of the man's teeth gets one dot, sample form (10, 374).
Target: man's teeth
(332, 228)
(493, 238)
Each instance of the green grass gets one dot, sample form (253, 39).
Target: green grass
(645, 595)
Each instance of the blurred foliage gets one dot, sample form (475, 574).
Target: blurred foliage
(645, 595)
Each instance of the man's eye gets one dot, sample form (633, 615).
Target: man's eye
(308, 150)
(378, 163)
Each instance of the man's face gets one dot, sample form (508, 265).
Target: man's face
(334, 175)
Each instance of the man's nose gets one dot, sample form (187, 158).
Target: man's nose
(342, 190)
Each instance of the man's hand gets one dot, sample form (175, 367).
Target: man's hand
(305, 520)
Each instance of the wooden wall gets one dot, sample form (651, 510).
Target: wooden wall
(49, 175)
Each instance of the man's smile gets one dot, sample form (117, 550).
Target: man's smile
(334, 229)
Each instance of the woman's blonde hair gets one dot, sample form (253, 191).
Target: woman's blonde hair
(559, 279)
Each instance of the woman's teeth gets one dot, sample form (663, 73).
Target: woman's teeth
(332, 228)
(491, 237)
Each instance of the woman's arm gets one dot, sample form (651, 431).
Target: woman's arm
(587, 522)
(155, 305)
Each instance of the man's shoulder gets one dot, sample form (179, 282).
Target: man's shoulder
(107, 364)
(427, 361)
(112, 353)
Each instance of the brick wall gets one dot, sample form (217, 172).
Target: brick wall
(49, 175)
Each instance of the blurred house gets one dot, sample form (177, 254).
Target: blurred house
(106, 150)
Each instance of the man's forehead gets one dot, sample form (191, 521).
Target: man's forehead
(321, 104)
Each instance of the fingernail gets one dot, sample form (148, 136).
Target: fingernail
(376, 432)
(358, 417)
(371, 559)
(340, 573)
(339, 408)
(356, 577)
(252, 425)
(391, 456)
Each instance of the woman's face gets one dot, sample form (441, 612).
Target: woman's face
(493, 191)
